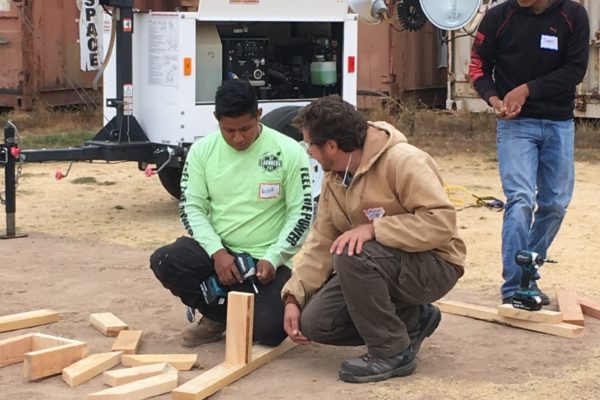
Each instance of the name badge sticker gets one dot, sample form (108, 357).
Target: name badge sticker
(549, 42)
(373, 213)
(269, 190)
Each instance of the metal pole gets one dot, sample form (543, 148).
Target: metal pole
(10, 185)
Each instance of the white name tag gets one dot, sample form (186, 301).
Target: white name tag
(549, 42)
(269, 190)
(373, 213)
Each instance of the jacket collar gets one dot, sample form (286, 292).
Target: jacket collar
(380, 137)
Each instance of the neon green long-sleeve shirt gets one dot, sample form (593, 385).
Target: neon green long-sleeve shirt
(257, 200)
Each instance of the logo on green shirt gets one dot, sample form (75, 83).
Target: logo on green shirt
(270, 162)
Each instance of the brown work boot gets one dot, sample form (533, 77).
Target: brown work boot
(205, 331)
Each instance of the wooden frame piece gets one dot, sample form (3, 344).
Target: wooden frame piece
(28, 319)
(568, 303)
(491, 315)
(50, 355)
(238, 344)
(42, 355)
(589, 307)
(181, 362)
(126, 375)
(128, 341)
(141, 389)
(108, 323)
(549, 317)
(89, 367)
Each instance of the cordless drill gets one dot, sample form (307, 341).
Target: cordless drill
(527, 297)
(213, 291)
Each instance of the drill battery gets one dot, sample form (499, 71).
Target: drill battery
(214, 292)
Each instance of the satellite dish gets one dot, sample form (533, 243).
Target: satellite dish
(371, 11)
(450, 14)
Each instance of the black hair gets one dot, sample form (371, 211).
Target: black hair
(235, 98)
(332, 118)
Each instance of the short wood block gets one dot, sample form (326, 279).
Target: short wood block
(89, 367)
(138, 390)
(491, 315)
(224, 374)
(240, 317)
(12, 350)
(108, 323)
(28, 319)
(50, 355)
(568, 303)
(549, 317)
(181, 362)
(128, 341)
(126, 375)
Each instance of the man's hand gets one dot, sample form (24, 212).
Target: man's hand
(291, 324)
(498, 106)
(354, 239)
(514, 100)
(227, 272)
(265, 271)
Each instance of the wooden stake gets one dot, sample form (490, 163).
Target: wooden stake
(139, 390)
(126, 375)
(240, 316)
(568, 303)
(491, 314)
(107, 323)
(128, 341)
(181, 362)
(27, 320)
(549, 317)
(89, 367)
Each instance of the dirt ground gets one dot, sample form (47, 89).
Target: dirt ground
(88, 248)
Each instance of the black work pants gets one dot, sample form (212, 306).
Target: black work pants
(374, 298)
(184, 264)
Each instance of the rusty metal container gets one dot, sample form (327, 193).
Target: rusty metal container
(39, 55)
(400, 64)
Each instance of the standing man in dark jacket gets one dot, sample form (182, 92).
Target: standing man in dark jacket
(527, 58)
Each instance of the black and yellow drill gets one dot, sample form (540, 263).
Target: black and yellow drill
(527, 297)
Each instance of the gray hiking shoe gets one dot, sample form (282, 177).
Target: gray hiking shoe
(205, 331)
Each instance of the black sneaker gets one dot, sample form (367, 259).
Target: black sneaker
(430, 317)
(374, 369)
(507, 300)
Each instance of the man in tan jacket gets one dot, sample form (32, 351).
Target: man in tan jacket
(383, 247)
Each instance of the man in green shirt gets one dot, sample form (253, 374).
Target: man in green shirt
(245, 189)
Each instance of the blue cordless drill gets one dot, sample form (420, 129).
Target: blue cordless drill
(528, 297)
(211, 288)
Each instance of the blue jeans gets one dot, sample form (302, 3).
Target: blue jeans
(535, 157)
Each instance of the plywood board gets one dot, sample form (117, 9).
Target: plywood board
(547, 316)
(12, 350)
(128, 341)
(491, 315)
(568, 303)
(107, 323)
(91, 366)
(126, 375)
(240, 316)
(224, 374)
(28, 319)
(138, 390)
(181, 362)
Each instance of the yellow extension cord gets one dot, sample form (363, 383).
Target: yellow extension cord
(457, 194)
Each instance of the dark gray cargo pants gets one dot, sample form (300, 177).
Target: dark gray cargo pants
(374, 298)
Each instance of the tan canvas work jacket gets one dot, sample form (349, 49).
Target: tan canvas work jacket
(397, 187)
